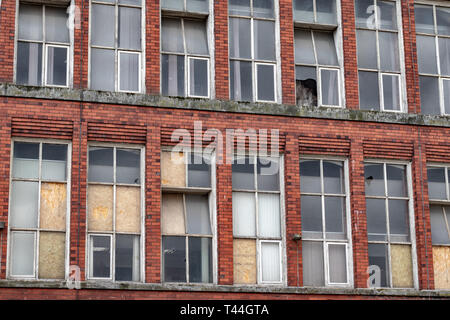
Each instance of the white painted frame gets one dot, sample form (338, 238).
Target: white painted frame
(337, 3)
(91, 256)
(46, 65)
(119, 53)
(259, 244)
(257, 64)
(208, 80)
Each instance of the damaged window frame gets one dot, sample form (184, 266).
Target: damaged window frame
(185, 191)
(388, 242)
(37, 230)
(324, 240)
(113, 234)
(443, 203)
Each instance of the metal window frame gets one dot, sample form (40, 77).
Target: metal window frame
(46, 65)
(119, 53)
(257, 64)
(208, 80)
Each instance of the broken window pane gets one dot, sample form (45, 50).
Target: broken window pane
(376, 219)
(369, 96)
(128, 166)
(199, 172)
(57, 65)
(326, 11)
(196, 41)
(436, 183)
(101, 256)
(398, 220)
(30, 22)
(100, 164)
(24, 204)
(329, 87)
(241, 81)
(244, 214)
(240, 38)
(197, 214)
(197, 5)
(304, 10)
(56, 24)
(270, 262)
(446, 87)
(264, 38)
(22, 253)
(54, 161)
(374, 177)
(198, 73)
(102, 69)
(426, 54)
(263, 8)
(388, 15)
(310, 176)
(367, 49)
(337, 263)
(174, 259)
(129, 28)
(429, 95)
(391, 92)
(389, 57)
(333, 177)
(304, 51)
(243, 173)
(444, 56)
(266, 82)
(335, 218)
(103, 25)
(326, 49)
(311, 214)
(172, 4)
(396, 180)
(424, 19)
(313, 264)
(200, 260)
(439, 233)
(378, 256)
(443, 20)
(239, 7)
(306, 86)
(171, 36)
(172, 75)
(268, 174)
(269, 215)
(26, 160)
(29, 63)
(127, 258)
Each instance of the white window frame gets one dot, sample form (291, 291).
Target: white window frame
(46, 66)
(260, 265)
(189, 58)
(257, 64)
(36, 231)
(114, 233)
(337, 4)
(323, 240)
(91, 256)
(119, 52)
(319, 86)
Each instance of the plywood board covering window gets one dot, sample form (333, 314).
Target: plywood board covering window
(51, 255)
(173, 169)
(53, 206)
(402, 271)
(441, 265)
(244, 261)
(100, 204)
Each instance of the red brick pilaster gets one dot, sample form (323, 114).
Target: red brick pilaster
(7, 36)
(287, 52)
(152, 59)
(221, 49)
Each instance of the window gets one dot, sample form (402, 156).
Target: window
(42, 46)
(252, 37)
(325, 220)
(379, 48)
(390, 222)
(199, 6)
(315, 11)
(433, 55)
(439, 195)
(187, 217)
(257, 230)
(38, 215)
(116, 45)
(114, 205)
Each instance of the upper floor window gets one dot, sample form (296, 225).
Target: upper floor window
(439, 196)
(433, 55)
(42, 46)
(116, 45)
(315, 11)
(198, 6)
(253, 62)
(379, 47)
(38, 215)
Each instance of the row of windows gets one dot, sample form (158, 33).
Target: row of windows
(40, 206)
(117, 58)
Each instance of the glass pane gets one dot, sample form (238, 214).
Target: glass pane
(444, 56)
(30, 22)
(54, 161)
(266, 82)
(326, 49)
(337, 263)
(26, 160)
(378, 256)
(128, 166)
(304, 52)
(436, 183)
(365, 13)
(239, 7)
(264, 39)
(439, 233)
(426, 54)
(172, 4)
(56, 24)
(424, 18)
(396, 180)
(198, 77)
(241, 81)
(429, 95)
(243, 173)
(200, 260)
(369, 95)
(101, 256)
(376, 219)
(389, 57)
(326, 11)
(57, 66)
(240, 38)
(24, 204)
(391, 92)
(29, 63)
(174, 259)
(367, 49)
(329, 87)
(398, 220)
(269, 215)
(270, 262)
(129, 71)
(199, 171)
(127, 258)
(171, 35)
(388, 15)
(333, 177)
(244, 214)
(303, 10)
(313, 264)
(197, 5)
(22, 253)
(306, 86)
(268, 174)
(129, 28)
(172, 75)
(374, 177)
(196, 41)
(197, 214)
(100, 165)
(311, 212)
(446, 87)
(335, 218)
(263, 8)
(310, 176)
(103, 25)
(132, 2)
(443, 20)
(102, 69)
